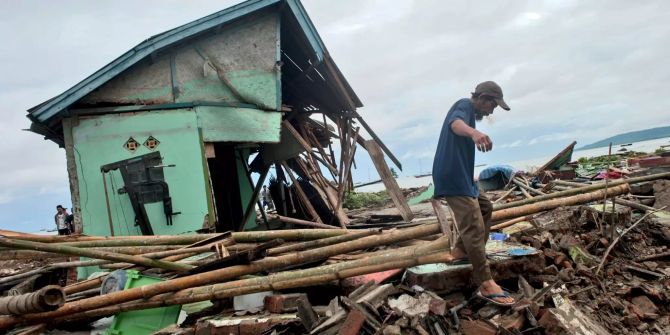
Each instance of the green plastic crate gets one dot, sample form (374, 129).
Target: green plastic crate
(142, 321)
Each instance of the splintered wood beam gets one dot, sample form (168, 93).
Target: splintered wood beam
(297, 136)
(378, 140)
(254, 196)
(301, 194)
(324, 155)
(345, 180)
(350, 160)
(389, 182)
(306, 145)
(330, 147)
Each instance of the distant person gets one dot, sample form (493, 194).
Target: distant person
(69, 220)
(61, 220)
(453, 177)
(267, 198)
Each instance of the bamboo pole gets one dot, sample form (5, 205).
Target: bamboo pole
(581, 190)
(517, 182)
(569, 183)
(511, 222)
(390, 259)
(515, 212)
(10, 254)
(220, 275)
(525, 193)
(152, 239)
(322, 242)
(634, 205)
(47, 298)
(299, 222)
(157, 241)
(286, 235)
(153, 255)
(96, 282)
(69, 250)
(505, 195)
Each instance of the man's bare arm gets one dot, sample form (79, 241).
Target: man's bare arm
(482, 141)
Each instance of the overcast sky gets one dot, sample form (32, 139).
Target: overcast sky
(570, 71)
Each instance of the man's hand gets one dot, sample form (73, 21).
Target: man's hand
(482, 141)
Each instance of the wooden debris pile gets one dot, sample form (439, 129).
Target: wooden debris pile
(302, 194)
(604, 268)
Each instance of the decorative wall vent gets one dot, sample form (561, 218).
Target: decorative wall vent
(131, 145)
(151, 143)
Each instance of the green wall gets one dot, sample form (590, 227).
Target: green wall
(99, 141)
(230, 124)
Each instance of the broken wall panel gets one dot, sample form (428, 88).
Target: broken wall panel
(242, 54)
(228, 124)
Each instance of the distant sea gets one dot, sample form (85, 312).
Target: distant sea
(530, 164)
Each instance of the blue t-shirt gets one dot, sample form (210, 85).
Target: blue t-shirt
(454, 162)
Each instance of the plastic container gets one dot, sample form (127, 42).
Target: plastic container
(142, 321)
(497, 238)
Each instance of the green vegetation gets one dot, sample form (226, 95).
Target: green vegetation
(660, 151)
(353, 200)
(605, 159)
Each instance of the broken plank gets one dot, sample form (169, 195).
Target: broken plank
(378, 141)
(389, 181)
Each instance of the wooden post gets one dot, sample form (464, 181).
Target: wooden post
(68, 124)
(389, 181)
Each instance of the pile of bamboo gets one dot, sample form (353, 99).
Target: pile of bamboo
(231, 256)
(285, 258)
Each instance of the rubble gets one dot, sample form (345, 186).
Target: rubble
(581, 246)
(393, 280)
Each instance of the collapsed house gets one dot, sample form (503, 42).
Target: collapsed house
(166, 139)
(160, 140)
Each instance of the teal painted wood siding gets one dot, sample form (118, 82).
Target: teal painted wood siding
(99, 141)
(228, 124)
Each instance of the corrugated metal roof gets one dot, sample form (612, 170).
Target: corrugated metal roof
(57, 105)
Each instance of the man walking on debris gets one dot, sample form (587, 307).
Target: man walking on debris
(453, 177)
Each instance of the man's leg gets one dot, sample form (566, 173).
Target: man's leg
(486, 207)
(473, 223)
(472, 238)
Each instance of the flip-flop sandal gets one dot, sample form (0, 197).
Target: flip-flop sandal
(491, 298)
